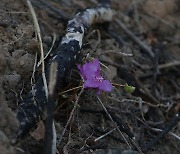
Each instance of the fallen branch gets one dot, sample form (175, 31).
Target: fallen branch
(29, 111)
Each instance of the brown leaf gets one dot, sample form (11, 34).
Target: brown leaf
(151, 39)
(38, 133)
(177, 107)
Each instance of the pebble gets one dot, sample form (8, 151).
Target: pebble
(12, 79)
(24, 65)
(47, 40)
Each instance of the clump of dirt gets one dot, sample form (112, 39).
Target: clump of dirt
(8, 122)
(15, 64)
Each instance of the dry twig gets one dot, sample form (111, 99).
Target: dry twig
(71, 115)
(116, 126)
(38, 32)
(135, 39)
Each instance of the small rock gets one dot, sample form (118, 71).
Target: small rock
(24, 65)
(47, 40)
(12, 79)
(5, 23)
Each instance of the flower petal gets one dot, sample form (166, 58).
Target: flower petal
(105, 85)
(91, 84)
(91, 69)
(95, 65)
(92, 77)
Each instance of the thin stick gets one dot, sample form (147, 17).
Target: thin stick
(135, 39)
(120, 66)
(32, 78)
(121, 54)
(118, 85)
(171, 133)
(132, 140)
(174, 121)
(106, 67)
(70, 90)
(113, 122)
(54, 40)
(71, 115)
(52, 8)
(104, 135)
(170, 64)
(37, 29)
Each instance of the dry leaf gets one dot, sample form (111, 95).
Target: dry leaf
(38, 133)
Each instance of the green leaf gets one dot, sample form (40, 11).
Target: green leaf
(129, 89)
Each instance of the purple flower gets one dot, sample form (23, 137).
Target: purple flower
(93, 79)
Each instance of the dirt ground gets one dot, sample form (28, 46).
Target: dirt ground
(150, 108)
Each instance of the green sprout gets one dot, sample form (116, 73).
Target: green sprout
(129, 89)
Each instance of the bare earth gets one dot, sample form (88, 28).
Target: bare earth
(154, 103)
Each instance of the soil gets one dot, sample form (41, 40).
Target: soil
(153, 104)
